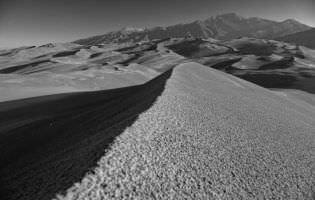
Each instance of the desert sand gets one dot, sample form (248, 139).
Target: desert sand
(228, 139)
(162, 140)
(159, 119)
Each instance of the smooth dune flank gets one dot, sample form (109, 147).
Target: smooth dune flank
(228, 139)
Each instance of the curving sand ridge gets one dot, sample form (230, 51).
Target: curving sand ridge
(48, 143)
(209, 136)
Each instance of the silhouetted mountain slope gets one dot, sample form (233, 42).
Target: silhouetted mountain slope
(226, 26)
(305, 38)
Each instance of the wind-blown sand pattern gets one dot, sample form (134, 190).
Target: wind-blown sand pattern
(221, 141)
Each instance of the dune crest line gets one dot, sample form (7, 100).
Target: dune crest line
(217, 142)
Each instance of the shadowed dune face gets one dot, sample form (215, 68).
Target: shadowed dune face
(271, 80)
(252, 46)
(16, 69)
(50, 142)
(198, 48)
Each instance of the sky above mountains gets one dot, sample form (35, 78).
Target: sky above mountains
(34, 22)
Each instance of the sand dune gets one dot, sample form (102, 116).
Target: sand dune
(48, 143)
(268, 63)
(228, 139)
(108, 66)
(160, 125)
(197, 48)
(70, 67)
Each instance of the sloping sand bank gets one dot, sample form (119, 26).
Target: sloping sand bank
(209, 136)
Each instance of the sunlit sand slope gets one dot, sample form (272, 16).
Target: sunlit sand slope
(209, 136)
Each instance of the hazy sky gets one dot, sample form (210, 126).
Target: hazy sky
(34, 22)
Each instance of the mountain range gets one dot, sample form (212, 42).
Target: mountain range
(222, 27)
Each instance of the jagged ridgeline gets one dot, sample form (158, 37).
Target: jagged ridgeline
(227, 26)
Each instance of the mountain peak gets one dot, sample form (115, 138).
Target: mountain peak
(131, 29)
(291, 21)
(229, 15)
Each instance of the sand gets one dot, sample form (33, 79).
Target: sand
(59, 68)
(162, 140)
(48, 143)
(227, 140)
(156, 125)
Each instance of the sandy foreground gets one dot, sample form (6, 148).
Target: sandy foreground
(227, 139)
(191, 133)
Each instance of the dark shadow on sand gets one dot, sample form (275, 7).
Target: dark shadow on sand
(48, 143)
(16, 69)
(270, 80)
(296, 80)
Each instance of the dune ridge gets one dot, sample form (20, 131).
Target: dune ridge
(228, 139)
